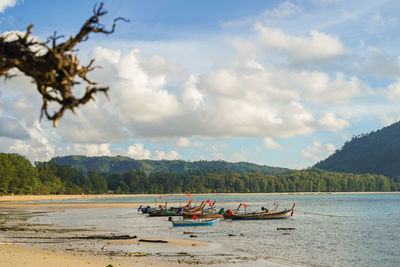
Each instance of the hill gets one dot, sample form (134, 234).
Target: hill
(377, 152)
(121, 164)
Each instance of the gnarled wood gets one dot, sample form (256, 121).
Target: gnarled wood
(54, 71)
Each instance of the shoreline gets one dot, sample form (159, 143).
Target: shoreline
(25, 243)
(24, 198)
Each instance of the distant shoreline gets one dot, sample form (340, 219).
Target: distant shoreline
(23, 198)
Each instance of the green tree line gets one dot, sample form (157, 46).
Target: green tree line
(19, 176)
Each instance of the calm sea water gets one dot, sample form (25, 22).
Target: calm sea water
(330, 229)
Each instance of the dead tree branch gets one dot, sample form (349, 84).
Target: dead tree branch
(54, 71)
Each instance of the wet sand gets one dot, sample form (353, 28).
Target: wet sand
(25, 244)
(15, 255)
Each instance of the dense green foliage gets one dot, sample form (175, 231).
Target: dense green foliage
(18, 176)
(121, 164)
(377, 152)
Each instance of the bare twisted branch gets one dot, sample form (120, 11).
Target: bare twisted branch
(55, 71)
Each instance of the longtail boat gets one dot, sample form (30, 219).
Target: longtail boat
(194, 222)
(160, 213)
(173, 211)
(201, 211)
(220, 214)
(285, 214)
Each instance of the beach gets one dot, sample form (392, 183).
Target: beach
(329, 229)
(27, 244)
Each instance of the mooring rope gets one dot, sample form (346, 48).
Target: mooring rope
(320, 214)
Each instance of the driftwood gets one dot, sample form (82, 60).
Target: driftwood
(153, 241)
(106, 237)
(54, 67)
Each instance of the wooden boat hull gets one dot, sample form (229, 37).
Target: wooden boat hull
(280, 215)
(163, 214)
(286, 214)
(194, 223)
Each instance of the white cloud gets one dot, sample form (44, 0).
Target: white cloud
(36, 148)
(248, 94)
(186, 143)
(320, 88)
(172, 155)
(329, 121)
(6, 3)
(393, 92)
(191, 95)
(140, 96)
(319, 46)
(317, 151)
(271, 144)
(137, 151)
(90, 149)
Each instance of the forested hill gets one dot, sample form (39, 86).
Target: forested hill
(377, 152)
(19, 176)
(121, 164)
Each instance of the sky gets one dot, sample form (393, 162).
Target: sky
(278, 83)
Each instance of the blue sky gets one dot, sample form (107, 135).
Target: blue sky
(280, 83)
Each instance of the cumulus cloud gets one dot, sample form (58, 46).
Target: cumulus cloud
(171, 155)
(320, 88)
(271, 144)
(141, 97)
(243, 96)
(329, 121)
(319, 46)
(137, 151)
(186, 143)
(90, 149)
(191, 95)
(36, 148)
(6, 3)
(317, 151)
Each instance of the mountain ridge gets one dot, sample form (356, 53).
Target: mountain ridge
(119, 164)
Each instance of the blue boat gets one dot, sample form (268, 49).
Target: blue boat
(194, 222)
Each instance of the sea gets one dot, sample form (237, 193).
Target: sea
(327, 229)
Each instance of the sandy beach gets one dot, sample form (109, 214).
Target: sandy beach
(26, 243)
(17, 254)
(14, 212)
(14, 255)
